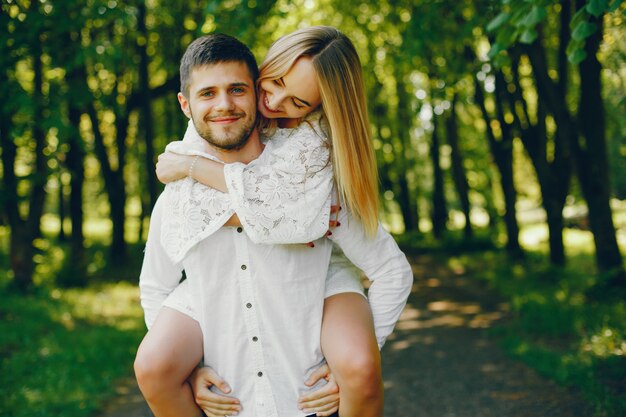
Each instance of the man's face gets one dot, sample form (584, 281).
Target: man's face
(221, 104)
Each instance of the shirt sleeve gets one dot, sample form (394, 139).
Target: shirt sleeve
(284, 195)
(159, 274)
(385, 266)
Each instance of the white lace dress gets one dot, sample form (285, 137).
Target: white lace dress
(282, 197)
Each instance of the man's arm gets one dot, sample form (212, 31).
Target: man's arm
(384, 264)
(159, 275)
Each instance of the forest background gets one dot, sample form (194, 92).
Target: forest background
(500, 133)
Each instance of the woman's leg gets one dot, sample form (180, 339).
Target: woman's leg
(351, 350)
(168, 354)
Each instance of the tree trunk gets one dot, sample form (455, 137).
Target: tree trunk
(553, 193)
(114, 183)
(554, 176)
(146, 125)
(404, 123)
(439, 211)
(502, 153)
(458, 170)
(592, 161)
(23, 232)
(76, 165)
(61, 196)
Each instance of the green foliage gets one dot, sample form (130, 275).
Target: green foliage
(63, 351)
(558, 331)
(519, 21)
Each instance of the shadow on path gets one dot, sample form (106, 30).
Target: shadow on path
(441, 363)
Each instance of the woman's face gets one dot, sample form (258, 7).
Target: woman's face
(293, 96)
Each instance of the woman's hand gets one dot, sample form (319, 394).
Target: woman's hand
(213, 405)
(331, 224)
(323, 401)
(172, 166)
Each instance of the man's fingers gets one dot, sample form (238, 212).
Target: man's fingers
(207, 397)
(324, 409)
(334, 409)
(321, 372)
(323, 394)
(213, 378)
(218, 404)
(319, 398)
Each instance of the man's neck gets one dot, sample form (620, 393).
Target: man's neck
(249, 152)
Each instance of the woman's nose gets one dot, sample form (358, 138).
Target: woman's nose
(275, 99)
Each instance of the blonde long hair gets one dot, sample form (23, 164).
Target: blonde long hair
(342, 92)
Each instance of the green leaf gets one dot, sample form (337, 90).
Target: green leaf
(528, 36)
(577, 57)
(534, 17)
(496, 48)
(507, 36)
(615, 6)
(498, 21)
(574, 46)
(579, 17)
(584, 30)
(597, 7)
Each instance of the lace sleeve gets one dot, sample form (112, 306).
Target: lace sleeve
(284, 195)
(192, 211)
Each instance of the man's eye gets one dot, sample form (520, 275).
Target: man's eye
(238, 90)
(207, 94)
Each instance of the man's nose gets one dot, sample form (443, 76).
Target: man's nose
(224, 102)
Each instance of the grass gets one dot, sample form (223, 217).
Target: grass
(62, 351)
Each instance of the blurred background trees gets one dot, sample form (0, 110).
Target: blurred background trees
(485, 113)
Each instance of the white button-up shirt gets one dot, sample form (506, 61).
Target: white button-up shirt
(260, 306)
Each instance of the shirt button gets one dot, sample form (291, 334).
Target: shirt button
(239, 229)
(249, 305)
(244, 267)
(254, 339)
(260, 374)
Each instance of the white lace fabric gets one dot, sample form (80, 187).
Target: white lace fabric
(283, 196)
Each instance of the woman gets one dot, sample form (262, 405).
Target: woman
(307, 70)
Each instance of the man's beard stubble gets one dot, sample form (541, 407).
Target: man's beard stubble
(232, 141)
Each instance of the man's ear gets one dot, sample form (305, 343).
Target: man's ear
(184, 104)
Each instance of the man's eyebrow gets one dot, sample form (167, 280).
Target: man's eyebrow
(239, 84)
(235, 84)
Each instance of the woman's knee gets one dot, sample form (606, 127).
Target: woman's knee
(360, 371)
(153, 369)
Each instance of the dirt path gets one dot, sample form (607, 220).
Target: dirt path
(440, 362)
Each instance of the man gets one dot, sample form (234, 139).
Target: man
(259, 306)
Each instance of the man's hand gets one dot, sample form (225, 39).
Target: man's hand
(332, 223)
(323, 401)
(172, 166)
(213, 405)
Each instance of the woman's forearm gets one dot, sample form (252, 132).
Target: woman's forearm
(210, 173)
